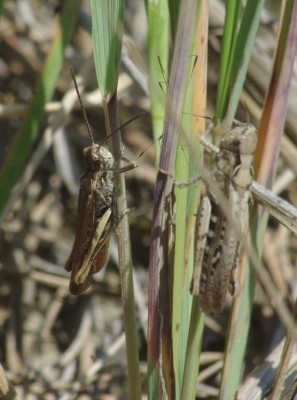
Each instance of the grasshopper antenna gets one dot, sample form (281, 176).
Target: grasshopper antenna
(165, 79)
(147, 147)
(160, 137)
(122, 126)
(193, 68)
(199, 116)
(162, 70)
(81, 105)
(86, 119)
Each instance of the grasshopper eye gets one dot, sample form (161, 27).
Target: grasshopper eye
(96, 156)
(91, 156)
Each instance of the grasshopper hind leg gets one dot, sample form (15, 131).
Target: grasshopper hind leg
(201, 230)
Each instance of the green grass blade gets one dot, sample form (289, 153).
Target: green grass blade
(186, 200)
(238, 40)
(174, 13)
(237, 46)
(232, 19)
(159, 362)
(270, 131)
(158, 49)
(107, 32)
(244, 46)
(20, 147)
(191, 367)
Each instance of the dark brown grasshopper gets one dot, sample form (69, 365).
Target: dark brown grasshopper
(95, 214)
(94, 219)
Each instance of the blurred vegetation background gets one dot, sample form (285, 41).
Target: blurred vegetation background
(57, 346)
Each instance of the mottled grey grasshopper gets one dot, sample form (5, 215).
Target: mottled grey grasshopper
(218, 245)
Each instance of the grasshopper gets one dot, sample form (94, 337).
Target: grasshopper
(94, 219)
(95, 214)
(218, 248)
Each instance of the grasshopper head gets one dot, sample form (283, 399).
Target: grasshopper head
(241, 140)
(98, 157)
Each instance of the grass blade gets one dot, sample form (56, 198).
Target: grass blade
(243, 50)
(232, 18)
(15, 159)
(107, 20)
(273, 118)
(107, 31)
(158, 49)
(159, 362)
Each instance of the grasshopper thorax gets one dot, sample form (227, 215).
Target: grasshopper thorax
(98, 157)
